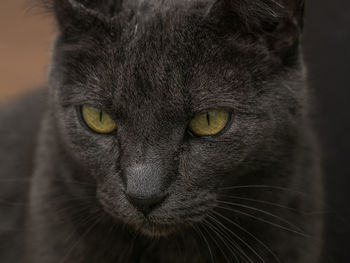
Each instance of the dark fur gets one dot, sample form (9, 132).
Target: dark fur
(152, 66)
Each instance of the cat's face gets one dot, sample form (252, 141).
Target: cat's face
(152, 77)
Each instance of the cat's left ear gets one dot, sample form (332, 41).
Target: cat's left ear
(295, 11)
(255, 12)
(283, 32)
(279, 21)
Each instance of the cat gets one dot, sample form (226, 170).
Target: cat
(170, 131)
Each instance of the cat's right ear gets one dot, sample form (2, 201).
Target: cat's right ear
(72, 16)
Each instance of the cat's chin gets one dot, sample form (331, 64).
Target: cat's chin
(157, 230)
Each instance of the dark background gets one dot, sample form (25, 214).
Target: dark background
(25, 48)
(327, 52)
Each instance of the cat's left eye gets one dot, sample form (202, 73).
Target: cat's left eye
(209, 123)
(98, 120)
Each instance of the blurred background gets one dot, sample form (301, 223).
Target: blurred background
(327, 53)
(25, 44)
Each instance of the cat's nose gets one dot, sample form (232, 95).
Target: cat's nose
(145, 204)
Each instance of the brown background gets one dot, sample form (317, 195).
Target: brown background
(26, 34)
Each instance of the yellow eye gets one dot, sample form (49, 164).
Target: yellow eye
(98, 120)
(209, 123)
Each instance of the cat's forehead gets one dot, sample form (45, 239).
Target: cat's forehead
(145, 9)
(171, 59)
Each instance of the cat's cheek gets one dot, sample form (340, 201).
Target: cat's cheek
(114, 203)
(197, 171)
(97, 153)
(214, 155)
(216, 160)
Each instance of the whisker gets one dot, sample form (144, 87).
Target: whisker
(273, 187)
(28, 180)
(240, 239)
(250, 234)
(80, 210)
(265, 221)
(264, 212)
(197, 229)
(215, 241)
(185, 247)
(218, 233)
(261, 202)
(93, 225)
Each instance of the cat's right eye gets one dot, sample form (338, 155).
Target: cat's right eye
(98, 120)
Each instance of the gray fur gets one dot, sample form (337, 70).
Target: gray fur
(152, 66)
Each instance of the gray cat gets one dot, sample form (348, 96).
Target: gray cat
(170, 131)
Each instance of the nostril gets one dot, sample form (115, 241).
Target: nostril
(145, 204)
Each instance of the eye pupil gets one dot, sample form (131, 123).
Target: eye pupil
(208, 118)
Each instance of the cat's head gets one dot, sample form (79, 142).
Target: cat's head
(166, 104)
